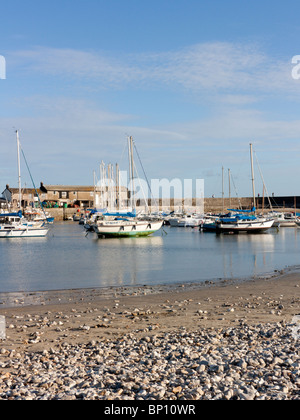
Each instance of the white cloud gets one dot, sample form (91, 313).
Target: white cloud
(216, 66)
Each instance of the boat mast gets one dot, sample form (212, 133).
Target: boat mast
(252, 175)
(131, 171)
(118, 187)
(110, 207)
(19, 169)
(95, 189)
(229, 188)
(102, 185)
(223, 207)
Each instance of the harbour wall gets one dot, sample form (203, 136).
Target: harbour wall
(214, 205)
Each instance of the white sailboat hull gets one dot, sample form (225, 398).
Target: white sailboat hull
(116, 228)
(255, 226)
(287, 223)
(22, 232)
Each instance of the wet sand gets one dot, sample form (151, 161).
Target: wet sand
(39, 321)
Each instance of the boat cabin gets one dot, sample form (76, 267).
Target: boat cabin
(10, 218)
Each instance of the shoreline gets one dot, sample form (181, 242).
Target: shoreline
(116, 311)
(61, 296)
(221, 341)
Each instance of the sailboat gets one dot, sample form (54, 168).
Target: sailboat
(14, 225)
(126, 224)
(244, 220)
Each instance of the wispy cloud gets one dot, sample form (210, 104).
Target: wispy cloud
(232, 87)
(216, 66)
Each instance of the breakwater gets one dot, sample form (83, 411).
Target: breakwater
(214, 205)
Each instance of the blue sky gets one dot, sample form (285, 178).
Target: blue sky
(193, 81)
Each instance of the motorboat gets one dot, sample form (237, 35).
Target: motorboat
(283, 219)
(188, 220)
(13, 225)
(209, 224)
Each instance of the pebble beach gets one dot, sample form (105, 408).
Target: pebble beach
(224, 341)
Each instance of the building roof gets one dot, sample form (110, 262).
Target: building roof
(68, 188)
(65, 188)
(24, 190)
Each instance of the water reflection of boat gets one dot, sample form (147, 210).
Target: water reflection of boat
(140, 243)
(261, 243)
(259, 249)
(133, 260)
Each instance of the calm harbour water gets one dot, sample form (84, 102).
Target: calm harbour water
(67, 259)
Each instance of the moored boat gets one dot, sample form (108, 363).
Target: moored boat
(37, 216)
(188, 220)
(15, 225)
(283, 219)
(244, 220)
(126, 224)
(126, 227)
(12, 225)
(243, 223)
